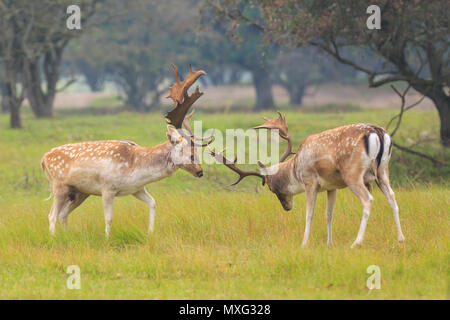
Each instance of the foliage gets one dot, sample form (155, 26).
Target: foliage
(86, 57)
(137, 45)
(32, 42)
(412, 44)
(303, 67)
(239, 44)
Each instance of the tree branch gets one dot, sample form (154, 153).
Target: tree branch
(422, 155)
(66, 85)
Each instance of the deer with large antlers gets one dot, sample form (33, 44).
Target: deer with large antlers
(118, 168)
(350, 156)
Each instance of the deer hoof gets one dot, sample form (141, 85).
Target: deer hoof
(355, 244)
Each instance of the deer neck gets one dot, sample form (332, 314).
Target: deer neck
(284, 178)
(156, 163)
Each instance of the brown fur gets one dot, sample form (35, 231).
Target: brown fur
(110, 169)
(335, 159)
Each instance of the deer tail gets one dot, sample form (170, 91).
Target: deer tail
(45, 172)
(49, 197)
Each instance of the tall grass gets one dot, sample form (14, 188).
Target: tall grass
(215, 242)
(226, 245)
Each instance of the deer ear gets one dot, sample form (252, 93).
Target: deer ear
(262, 168)
(173, 135)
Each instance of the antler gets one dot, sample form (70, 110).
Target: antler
(179, 94)
(280, 124)
(183, 101)
(188, 129)
(232, 165)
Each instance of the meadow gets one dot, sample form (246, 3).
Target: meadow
(212, 241)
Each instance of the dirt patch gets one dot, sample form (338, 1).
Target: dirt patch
(222, 96)
(325, 94)
(78, 99)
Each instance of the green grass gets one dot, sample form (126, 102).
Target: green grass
(216, 242)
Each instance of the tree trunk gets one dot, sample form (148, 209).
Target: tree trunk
(15, 119)
(41, 106)
(296, 94)
(14, 106)
(135, 97)
(155, 100)
(94, 79)
(263, 88)
(94, 84)
(40, 103)
(5, 107)
(442, 103)
(137, 88)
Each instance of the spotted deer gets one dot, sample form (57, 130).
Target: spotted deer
(351, 156)
(118, 168)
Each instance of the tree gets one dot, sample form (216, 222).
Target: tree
(4, 107)
(231, 43)
(32, 41)
(297, 69)
(93, 72)
(48, 38)
(13, 28)
(85, 56)
(412, 44)
(136, 47)
(221, 74)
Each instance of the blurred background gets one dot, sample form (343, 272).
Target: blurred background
(319, 62)
(315, 61)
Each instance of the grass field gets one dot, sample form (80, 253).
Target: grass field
(216, 242)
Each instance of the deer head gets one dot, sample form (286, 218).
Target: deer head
(272, 176)
(184, 153)
(275, 176)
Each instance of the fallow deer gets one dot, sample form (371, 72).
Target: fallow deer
(350, 156)
(118, 168)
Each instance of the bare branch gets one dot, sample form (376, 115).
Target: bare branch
(399, 116)
(66, 85)
(422, 155)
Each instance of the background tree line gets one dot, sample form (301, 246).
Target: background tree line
(32, 42)
(133, 43)
(292, 43)
(412, 45)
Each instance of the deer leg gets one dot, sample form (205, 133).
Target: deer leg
(311, 195)
(58, 202)
(331, 200)
(384, 185)
(360, 190)
(108, 200)
(144, 196)
(74, 200)
(60, 198)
